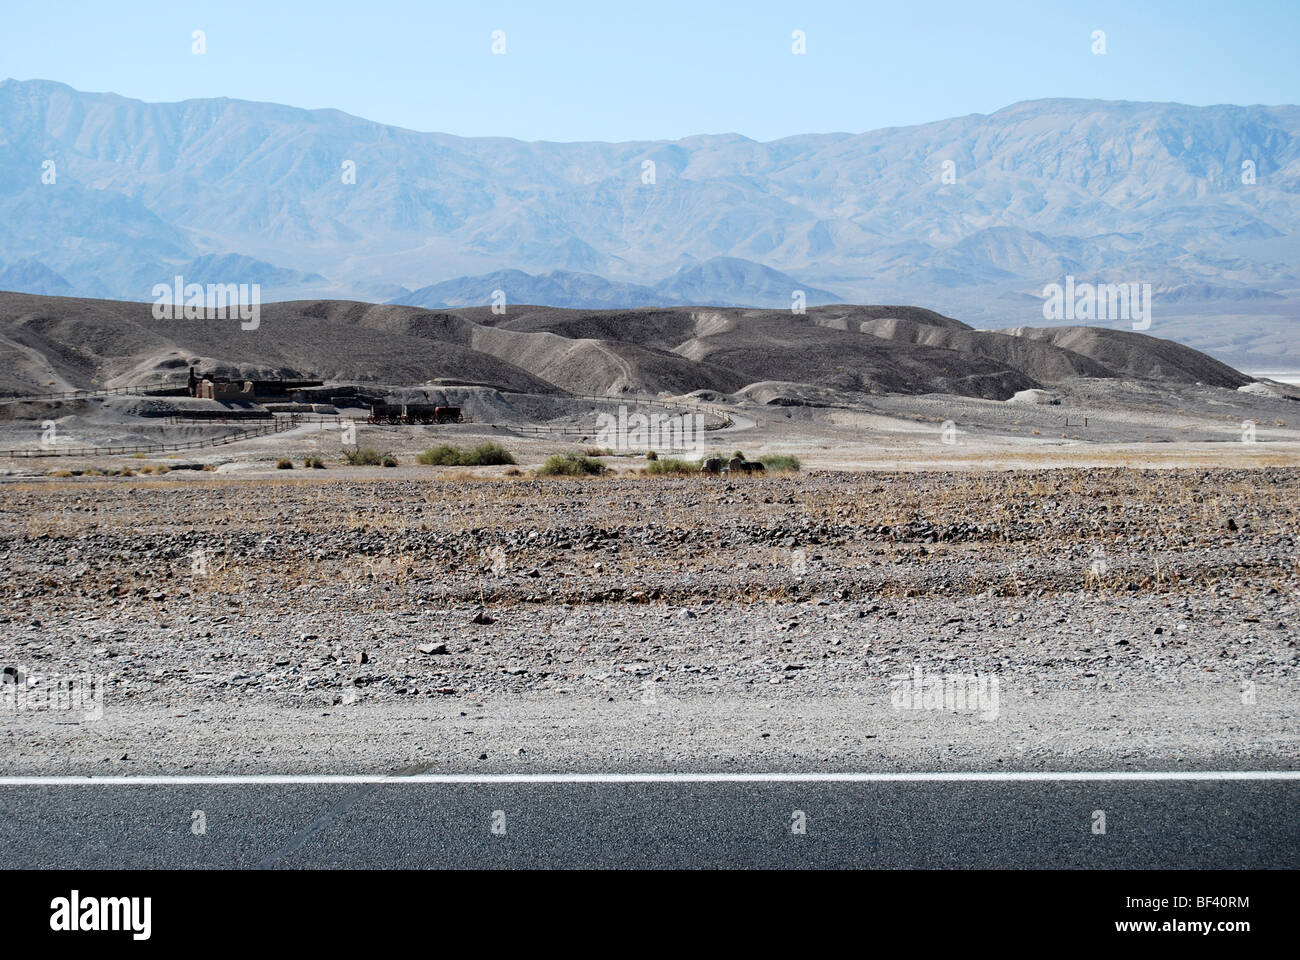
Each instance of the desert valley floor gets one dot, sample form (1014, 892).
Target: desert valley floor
(1101, 527)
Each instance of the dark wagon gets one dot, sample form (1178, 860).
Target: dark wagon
(381, 412)
(414, 413)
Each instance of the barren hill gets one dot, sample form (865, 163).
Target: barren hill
(1137, 355)
(56, 343)
(50, 344)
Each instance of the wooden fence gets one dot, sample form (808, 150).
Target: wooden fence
(143, 389)
(278, 426)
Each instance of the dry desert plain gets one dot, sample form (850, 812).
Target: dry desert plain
(1126, 604)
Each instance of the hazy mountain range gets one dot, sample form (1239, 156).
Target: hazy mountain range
(720, 282)
(105, 196)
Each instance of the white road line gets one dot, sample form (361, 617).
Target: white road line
(999, 776)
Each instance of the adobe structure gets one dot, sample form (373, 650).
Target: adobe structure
(227, 390)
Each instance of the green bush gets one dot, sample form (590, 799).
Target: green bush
(489, 455)
(483, 455)
(782, 463)
(440, 456)
(388, 460)
(671, 465)
(570, 465)
(651, 455)
(363, 457)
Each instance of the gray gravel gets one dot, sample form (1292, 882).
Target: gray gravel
(1128, 618)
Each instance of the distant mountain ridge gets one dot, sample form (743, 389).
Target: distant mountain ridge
(32, 276)
(720, 282)
(973, 215)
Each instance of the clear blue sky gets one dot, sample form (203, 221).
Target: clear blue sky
(622, 70)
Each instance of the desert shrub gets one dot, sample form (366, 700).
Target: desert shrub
(599, 452)
(738, 455)
(514, 472)
(388, 460)
(671, 465)
(313, 463)
(284, 463)
(781, 463)
(651, 455)
(443, 455)
(363, 457)
(484, 455)
(570, 465)
(489, 455)
(162, 468)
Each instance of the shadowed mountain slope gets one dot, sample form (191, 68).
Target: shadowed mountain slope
(1137, 355)
(49, 344)
(54, 343)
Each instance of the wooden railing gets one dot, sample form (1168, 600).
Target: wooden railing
(693, 406)
(278, 426)
(140, 390)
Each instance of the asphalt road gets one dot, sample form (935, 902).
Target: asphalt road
(432, 822)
